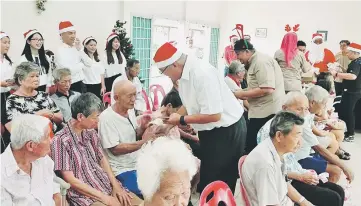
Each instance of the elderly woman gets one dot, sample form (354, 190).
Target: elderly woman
(25, 167)
(63, 97)
(26, 100)
(165, 169)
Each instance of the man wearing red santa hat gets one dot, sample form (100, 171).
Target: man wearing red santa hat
(318, 55)
(352, 89)
(229, 54)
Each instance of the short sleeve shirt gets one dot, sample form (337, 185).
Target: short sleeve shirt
(308, 139)
(264, 72)
(354, 68)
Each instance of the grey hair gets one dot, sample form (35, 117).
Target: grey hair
(28, 127)
(236, 67)
(292, 97)
(86, 104)
(58, 74)
(317, 94)
(23, 70)
(284, 122)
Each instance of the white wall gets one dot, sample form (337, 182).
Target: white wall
(340, 19)
(92, 18)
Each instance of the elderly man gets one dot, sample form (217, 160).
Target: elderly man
(306, 183)
(265, 88)
(119, 133)
(69, 56)
(63, 97)
(210, 108)
(78, 157)
(165, 169)
(352, 89)
(25, 166)
(263, 173)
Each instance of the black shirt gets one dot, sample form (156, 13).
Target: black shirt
(354, 68)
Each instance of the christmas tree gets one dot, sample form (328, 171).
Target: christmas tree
(126, 46)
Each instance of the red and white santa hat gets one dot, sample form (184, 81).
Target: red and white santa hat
(354, 47)
(3, 34)
(86, 40)
(111, 36)
(232, 36)
(66, 26)
(316, 36)
(29, 33)
(166, 55)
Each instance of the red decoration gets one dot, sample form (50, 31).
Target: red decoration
(239, 27)
(296, 28)
(287, 28)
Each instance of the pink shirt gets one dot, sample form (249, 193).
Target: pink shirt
(229, 54)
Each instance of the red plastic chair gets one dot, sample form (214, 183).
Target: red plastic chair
(155, 88)
(246, 201)
(107, 100)
(146, 99)
(221, 193)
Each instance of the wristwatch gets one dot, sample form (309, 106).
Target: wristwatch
(182, 121)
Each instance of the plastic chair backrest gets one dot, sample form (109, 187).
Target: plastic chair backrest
(155, 88)
(146, 99)
(245, 199)
(221, 193)
(106, 99)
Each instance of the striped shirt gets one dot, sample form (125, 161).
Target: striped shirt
(82, 156)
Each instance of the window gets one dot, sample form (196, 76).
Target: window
(213, 54)
(141, 40)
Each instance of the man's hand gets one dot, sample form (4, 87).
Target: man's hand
(144, 121)
(123, 196)
(349, 174)
(174, 119)
(333, 72)
(110, 200)
(309, 178)
(77, 44)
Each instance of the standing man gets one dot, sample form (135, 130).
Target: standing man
(352, 89)
(229, 55)
(265, 88)
(69, 56)
(318, 55)
(344, 61)
(211, 109)
(301, 46)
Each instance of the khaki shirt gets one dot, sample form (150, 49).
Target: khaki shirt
(264, 72)
(292, 75)
(344, 61)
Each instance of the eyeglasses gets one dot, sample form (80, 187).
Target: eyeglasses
(38, 40)
(162, 71)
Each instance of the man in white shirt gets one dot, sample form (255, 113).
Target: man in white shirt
(119, 133)
(69, 56)
(210, 108)
(263, 171)
(27, 171)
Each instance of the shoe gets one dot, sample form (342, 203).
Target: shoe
(350, 138)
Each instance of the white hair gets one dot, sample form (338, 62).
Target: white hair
(317, 94)
(291, 97)
(27, 127)
(159, 156)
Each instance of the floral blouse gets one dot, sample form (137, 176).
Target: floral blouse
(17, 105)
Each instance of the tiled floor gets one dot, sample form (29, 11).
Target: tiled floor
(355, 164)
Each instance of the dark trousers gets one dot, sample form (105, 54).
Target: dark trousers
(220, 151)
(94, 88)
(324, 194)
(41, 88)
(109, 82)
(5, 138)
(348, 102)
(254, 125)
(338, 88)
(78, 87)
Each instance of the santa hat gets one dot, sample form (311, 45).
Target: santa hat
(86, 40)
(316, 36)
(231, 37)
(3, 34)
(166, 55)
(354, 47)
(111, 36)
(29, 33)
(65, 26)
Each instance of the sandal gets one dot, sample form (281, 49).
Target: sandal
(343, 156)
(346, 153)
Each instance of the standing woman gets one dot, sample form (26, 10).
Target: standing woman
(115, 61)
(34, 52)
(94, 73)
